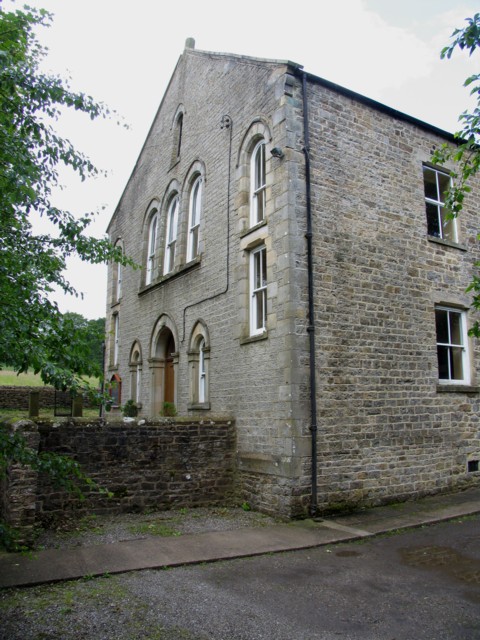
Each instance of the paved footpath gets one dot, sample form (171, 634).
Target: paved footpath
(54, 565)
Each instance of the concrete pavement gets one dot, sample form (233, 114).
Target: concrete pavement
(53, 565)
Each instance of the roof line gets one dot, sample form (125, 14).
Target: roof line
(379, 106)
(374, 104)
(241, 57)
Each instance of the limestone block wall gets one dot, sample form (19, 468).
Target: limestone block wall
(251, 379)
(18, 487)
(145, 465)
(387, 428)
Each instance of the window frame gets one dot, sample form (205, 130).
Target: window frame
(171, 234)
(152, 240)
(119, 282)
(439, 217)
(199, 368)
(194, 218)
(258, 272)
(258, 183)
(116, 339)
(451, 346)
(115, 390)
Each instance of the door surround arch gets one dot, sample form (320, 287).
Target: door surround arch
(163, 363)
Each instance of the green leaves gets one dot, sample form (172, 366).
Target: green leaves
(466, 38)
(466, 155)
(33, 332)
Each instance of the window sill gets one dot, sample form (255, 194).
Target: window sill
(200, 406)
(178, 271)
(447, 243)
(261, 336)
(259, 225)
(457, 388)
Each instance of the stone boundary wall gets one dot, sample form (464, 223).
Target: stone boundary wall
(12, 397)
(144, 464)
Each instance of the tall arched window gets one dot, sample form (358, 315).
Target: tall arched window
(257, 184)
(152, 248)
(194, 215)
(177, 134)
(115, 337)
(117, 276)
(171, 235)
(202, 372)
(199, 360)
(135, 373)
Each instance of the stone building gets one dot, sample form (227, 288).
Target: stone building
(299, 275)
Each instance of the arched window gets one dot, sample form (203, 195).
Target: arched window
(257, 184)
(115, 390)
(178, 122)
(194, 215)
(202, 372)
(116, 338)
(171, 235)
(117, 276)
(199, 361)
(152, 248)
(179, 131)
(135, 373)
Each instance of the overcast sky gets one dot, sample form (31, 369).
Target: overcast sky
(123, 53)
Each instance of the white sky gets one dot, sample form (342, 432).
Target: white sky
(123, 53)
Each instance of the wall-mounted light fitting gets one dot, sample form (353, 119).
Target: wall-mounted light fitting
(277, 152)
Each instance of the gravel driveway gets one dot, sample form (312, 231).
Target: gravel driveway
(93, 530)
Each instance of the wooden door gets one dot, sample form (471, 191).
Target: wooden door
(169, 391)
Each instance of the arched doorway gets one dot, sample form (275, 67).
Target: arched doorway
(163, 364)
(169, 390)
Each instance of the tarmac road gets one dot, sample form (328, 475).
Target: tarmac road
(423, 584)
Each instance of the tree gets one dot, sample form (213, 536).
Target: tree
(90, 334)
(466, 155)
(33, 332)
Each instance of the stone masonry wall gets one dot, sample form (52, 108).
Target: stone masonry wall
(253, 379)
(145, 465)
(387, 428)
(12, 397)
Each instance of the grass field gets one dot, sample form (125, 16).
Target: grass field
(11, 415)
(9, 378)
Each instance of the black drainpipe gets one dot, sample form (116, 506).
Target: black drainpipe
(311, 311)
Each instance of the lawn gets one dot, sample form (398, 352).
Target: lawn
(45, 414)
(9, 378)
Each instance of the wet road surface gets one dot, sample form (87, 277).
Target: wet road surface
(420, 584)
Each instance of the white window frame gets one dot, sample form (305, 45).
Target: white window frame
(151, 248)
(258, 184)
(439, 205)
(202, 372)
(258, 290)
(119, 281)
(194, 217)
(116, 338)
(171, 235)
(451, 346)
